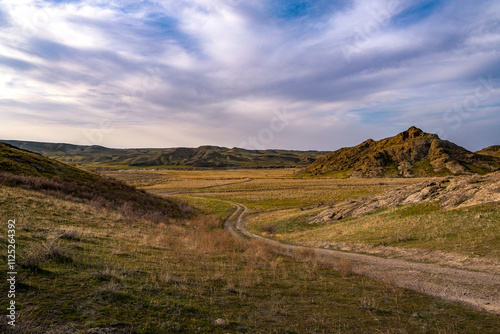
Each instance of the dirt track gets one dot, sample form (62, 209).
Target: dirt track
(477, 289)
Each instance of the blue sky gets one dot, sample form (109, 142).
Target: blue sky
(300, 74)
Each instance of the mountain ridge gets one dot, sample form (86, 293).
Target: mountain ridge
(206, 156)
(410, 153)
(491, 150)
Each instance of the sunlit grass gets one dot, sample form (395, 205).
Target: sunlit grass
(472, 231)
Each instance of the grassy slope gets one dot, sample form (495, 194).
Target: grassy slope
(33, 171)
(423, 226)
(84, 268)
(492, 151)
(22, 162)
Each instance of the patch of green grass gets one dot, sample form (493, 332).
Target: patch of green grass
(477, 169)
(391, 170)
(209, 206)
(282, 221)
(336, 174)
(424, 168)
(416, 210)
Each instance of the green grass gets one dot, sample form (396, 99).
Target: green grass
(477, 169)
(336, 174)
(391, 170)
(424, 225)
(168, 278)
(20, 162)
(209, 206)
(282, 221)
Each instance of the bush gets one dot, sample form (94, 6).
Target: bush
(270, 229)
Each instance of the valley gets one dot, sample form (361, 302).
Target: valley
(249, 250)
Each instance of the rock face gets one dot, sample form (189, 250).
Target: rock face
(410, 153)
(451, 192)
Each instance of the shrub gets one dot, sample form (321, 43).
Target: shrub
(35, 256)
(270, 229)
(72, 234)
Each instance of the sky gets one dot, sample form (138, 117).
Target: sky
(260, 74)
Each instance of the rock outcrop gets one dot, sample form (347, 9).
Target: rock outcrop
(451, 192)
(410, 153)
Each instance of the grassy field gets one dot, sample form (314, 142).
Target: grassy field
(473, 231)
(260, 190)
(282, 203)
(83, 267)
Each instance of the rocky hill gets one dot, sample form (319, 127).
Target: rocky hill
(29, 170)
(204, 156)
(492, 151)
(410, 153)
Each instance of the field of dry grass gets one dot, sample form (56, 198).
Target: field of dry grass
(85, 267)
(282, 204)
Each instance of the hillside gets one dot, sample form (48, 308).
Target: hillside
(203, 156)
(28, 170)
(410, 153)
(491, 151)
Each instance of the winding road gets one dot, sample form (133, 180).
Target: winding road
(477, 289)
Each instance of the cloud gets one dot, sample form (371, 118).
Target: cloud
(194, 72)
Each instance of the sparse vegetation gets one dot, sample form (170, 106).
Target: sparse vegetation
(181, 277)
(89, 266)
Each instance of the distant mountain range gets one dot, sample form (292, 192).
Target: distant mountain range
(204, 156)
(410, 153)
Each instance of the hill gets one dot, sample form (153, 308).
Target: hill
(410, 153)
(492, 151)
(201, 157)
(29, 170)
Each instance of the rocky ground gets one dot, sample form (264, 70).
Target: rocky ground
(451, 192)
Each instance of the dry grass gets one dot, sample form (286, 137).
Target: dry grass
(34, 257)
(259, 251)
(70, 234)
(181, 275)
(424, 226)
(102, 192)
(261, 190)
(343, 266)
(305, 254)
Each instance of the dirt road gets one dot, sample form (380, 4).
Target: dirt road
(477, 289)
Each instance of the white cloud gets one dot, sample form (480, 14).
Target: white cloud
(212, 72)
